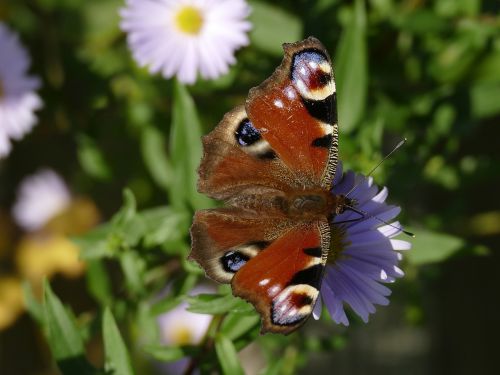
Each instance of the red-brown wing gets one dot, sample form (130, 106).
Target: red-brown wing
(237, 160)
(283, 281)
(223, 239)
(295, 112)
(272, 262)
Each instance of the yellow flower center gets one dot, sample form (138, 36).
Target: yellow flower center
(338, 243)
(182, 336)
(1, 89)
(189, 20)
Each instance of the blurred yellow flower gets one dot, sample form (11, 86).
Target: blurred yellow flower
(45, 254)
(11, 300)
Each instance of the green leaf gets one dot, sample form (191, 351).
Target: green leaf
(98, 283)
(272, 26)
(171, 353)
(352, 70)
(63, 336)
(186, 150)
(133, 267)
(432, 247)
(213, 303)
(117, 358)
(227, 355)
(164, 225)
(155, 157)
(92, 160)
(34, 307)
(236, 325)
(126, 212)
(485, 100)
(97, 243)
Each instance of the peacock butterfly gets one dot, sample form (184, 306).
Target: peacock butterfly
(272, 161)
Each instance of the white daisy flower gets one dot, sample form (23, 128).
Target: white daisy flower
(183, 37)
(18, 100)
(181, 327)
(364, 253)
(40, 198)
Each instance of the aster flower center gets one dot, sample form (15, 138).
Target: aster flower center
(189, 20)
(1, 89)
(182, 336)
(338, 243)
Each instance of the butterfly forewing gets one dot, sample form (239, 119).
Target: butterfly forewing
(295, 111)
(235, 159)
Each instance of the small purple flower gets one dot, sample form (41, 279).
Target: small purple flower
(18, 99)
(184, 37)
(364, 253)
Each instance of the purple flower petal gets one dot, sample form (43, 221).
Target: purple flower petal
(368, 256)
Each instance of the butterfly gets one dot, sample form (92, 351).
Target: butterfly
(272, 161)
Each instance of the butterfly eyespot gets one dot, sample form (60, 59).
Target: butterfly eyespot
(232, 261)
(311, 70)
(246, 134)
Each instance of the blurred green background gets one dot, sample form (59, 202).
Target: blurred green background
(425, 70)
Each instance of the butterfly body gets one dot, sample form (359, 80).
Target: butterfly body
(272, 162)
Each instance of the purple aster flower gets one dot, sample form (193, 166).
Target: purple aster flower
(18, 100)
(364, 253)
(183, 37)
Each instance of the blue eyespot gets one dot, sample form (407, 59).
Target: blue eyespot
(246, 134)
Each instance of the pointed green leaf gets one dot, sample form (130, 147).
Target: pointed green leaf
(273, 26)
(153, 147)
(432, 247)
(186, 150)
(92, 160)
(213, 303)
(171, 353)
(351, 70)
(117, 357)
(227, 355)
(164, 225)
(236, 325)
(34, 307)
(98, 283)
(64, 339)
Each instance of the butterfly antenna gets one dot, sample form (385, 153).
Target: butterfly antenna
(401, 143)
(366, 214)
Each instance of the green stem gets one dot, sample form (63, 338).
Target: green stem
(207, 343)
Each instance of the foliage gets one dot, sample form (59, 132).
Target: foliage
(427, 71)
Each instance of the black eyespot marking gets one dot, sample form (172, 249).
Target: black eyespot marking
(313, 251)
(324, 141)
(246, 134)
(232, 261)
(310, 276)
(324, 110)
(268, 155)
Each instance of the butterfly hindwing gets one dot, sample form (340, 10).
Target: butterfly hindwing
(271, 262)
(295, 111)
(224, 239)
(283, 281)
